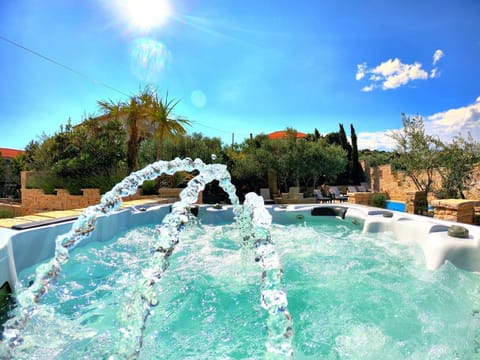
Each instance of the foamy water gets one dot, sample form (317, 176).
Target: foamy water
(351, 296)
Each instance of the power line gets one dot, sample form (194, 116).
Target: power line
(220, 130)
(66, 67)
(85, 76)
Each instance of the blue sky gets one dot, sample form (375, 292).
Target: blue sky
(244, 66)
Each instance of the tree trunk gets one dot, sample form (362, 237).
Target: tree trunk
(159, 144)
(132, 149)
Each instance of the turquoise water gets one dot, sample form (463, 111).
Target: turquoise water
(351, 296)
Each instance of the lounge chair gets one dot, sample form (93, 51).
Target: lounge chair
(265, 193)
(320, 197)
(336, 195)
(361, 188)
(352, 189)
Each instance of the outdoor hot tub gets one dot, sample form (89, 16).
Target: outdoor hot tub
(360, 281)
(20, 249)
(244, 281)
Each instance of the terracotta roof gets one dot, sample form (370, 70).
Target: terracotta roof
(10, 153)
(284, 135)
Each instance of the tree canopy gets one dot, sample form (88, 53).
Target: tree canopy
(88, 155)
(141, 130)
(146, 115)
(422, 155)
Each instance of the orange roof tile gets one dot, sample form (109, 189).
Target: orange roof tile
(283, 135)
(10, 153)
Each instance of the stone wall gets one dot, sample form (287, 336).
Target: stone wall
(14, 209)
(457, 210)
(416, 202)
(35, 200)
(396, 184)
(361, 198)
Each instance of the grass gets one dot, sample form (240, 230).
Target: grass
(6, 214)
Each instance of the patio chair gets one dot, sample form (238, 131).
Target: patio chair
(352, 189)
(265, 193)
(336, 195)
(320, 197)
(361, 188)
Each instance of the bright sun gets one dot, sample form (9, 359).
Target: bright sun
(146, 14)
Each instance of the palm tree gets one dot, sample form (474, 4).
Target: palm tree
(160, 115)
(145, 115)
(135, 110)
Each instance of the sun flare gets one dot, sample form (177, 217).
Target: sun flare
(146, 14)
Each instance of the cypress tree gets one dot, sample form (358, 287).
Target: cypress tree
(344, 142)
(356, 169)
(345, 177)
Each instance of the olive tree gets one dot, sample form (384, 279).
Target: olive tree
(91, 154)
(324, 160)
(457, 159)
(422, 156)
(194, 146)
(418, 152)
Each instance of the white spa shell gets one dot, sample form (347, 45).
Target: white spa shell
(20, 249)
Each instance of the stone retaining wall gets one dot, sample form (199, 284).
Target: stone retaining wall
(396, 183)
(14, 209)
(361, 198)
(35, 200)
(457, 210)
(416, 202)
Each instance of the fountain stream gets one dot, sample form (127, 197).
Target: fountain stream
(252, 219)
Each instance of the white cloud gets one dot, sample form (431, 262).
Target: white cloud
(436, 58)
(403, 74)
(444, 125)
(368, 88)
(378, 140)
(452, 122)
(388, 68)
(437, 55)
(392, 74)
(361, 71)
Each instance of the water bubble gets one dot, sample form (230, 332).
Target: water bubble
(253, 221)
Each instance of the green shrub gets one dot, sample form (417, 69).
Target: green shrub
(42, 180)
(378, 200)
(149, 187)
(48, 182)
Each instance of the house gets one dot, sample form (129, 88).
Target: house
(145, 127)
(10, 154)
